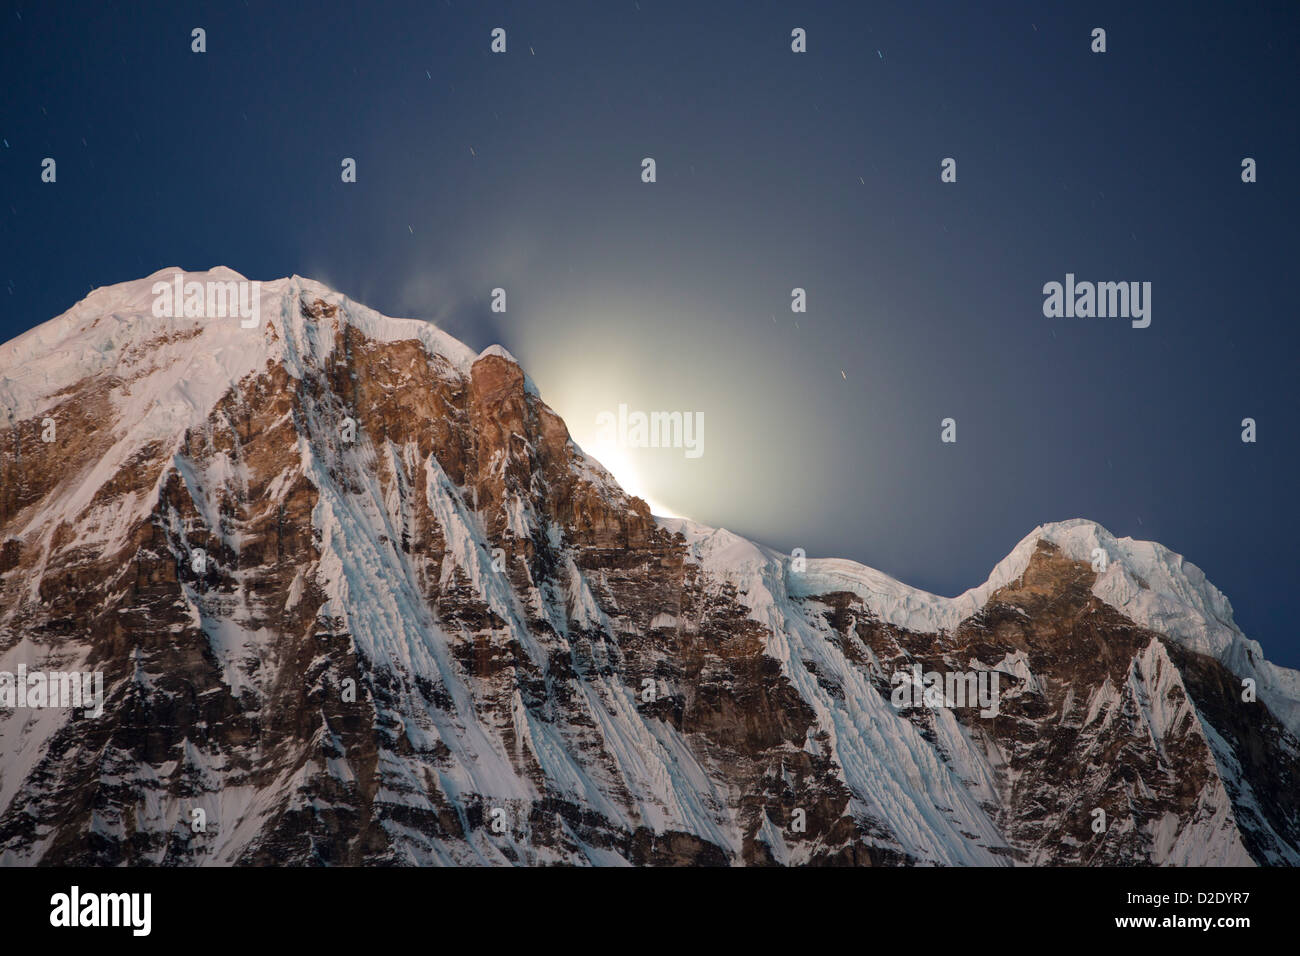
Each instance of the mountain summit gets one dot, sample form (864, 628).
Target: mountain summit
(356, 597)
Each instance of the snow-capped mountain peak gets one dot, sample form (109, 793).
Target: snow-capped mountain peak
(355, 593)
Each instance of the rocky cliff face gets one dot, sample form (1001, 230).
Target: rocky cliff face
(357, 598)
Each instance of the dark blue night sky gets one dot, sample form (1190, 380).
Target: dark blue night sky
(775, 170)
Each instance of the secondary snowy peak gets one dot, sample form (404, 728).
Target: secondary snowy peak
(1163, 591)
(1148, 583)
(1123, 563)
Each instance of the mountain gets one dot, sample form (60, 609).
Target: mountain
(356, 597)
